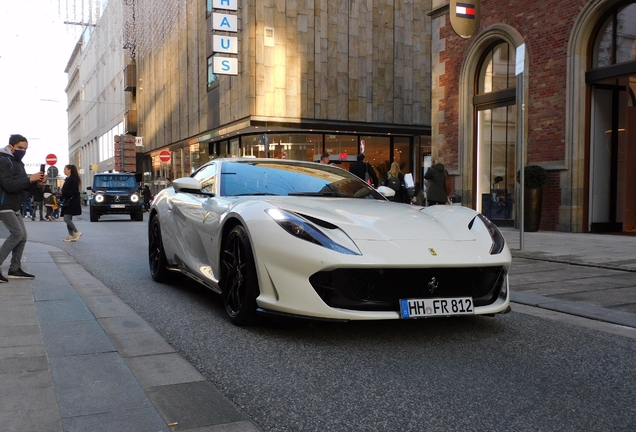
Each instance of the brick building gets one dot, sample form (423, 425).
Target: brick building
(578, 84)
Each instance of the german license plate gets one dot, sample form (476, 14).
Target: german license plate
(419, 308)
(118, 206)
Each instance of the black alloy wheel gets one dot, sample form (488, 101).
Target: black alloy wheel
(240, 282)
(156, 255)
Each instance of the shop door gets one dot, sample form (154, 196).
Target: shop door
(612, 194)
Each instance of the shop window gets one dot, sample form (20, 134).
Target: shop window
(496, 133)
(498, 70)
(342, 148)
(616, 40)
(401, 153)
(496, 161)
(378, 152)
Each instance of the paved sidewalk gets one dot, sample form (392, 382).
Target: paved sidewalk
(74, 357)
(588, 275)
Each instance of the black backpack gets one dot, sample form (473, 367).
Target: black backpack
(393, 182)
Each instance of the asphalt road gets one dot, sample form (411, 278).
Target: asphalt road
(512, 372)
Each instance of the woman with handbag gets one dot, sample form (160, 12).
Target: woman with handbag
(71, 201)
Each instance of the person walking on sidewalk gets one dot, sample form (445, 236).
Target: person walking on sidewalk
(13, 182)
(72, 201)
(38, 203)
(146, 194)
(49, 202)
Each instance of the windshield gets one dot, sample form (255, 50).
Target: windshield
(299, 179)
(114, 182)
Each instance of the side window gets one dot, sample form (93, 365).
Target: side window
(207, 177)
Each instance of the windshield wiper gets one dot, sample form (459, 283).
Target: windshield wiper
(320, 194)
(254, 194)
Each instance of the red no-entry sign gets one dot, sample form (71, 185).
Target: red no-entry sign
(51, 159)
(164, 156)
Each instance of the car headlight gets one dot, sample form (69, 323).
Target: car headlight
(99, 198)
(498, 241)
(304, 230)
(134, 198)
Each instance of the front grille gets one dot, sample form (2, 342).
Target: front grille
(117, 199)
(381, 289)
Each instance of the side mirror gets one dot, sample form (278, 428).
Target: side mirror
(186, 184)
(386, 191)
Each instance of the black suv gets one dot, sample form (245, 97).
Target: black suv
(115, 193)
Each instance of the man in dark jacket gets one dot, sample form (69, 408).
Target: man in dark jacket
(38, 203)
(436, 190)
(13, 182)
(361, 168)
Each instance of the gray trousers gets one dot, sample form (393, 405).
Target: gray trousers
(37, 205)
(70, 226)
(16, 241)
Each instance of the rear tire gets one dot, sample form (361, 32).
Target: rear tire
(156, 255)
(239, 282)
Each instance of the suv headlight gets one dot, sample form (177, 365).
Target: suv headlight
(134, 198)
(99, 198)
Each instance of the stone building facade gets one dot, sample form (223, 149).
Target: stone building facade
(312, 76)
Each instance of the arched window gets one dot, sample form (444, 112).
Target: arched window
(495, 101)
(616, 40)
(612, 80)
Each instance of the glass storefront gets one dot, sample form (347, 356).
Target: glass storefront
(342, 148)
(496, 134)
(496, 161)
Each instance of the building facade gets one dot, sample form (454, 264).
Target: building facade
(99, 107)
(301, 78)
(570, 109)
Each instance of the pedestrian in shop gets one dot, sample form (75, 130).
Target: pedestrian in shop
(49, 202)
(168, 181)
(395, 180)
(13, 182)
(419, 199)
(71, 199)
(38, 203)
(364, 170)
(324, 158)
(146, 194)
(436, 190)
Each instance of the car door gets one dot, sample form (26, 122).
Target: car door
(195, 219)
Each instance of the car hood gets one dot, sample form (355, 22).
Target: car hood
(378, 220)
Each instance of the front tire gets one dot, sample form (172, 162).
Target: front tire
(239, 280)
(94, 216)
(156, 254)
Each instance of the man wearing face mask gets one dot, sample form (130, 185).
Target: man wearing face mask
(13, 182)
